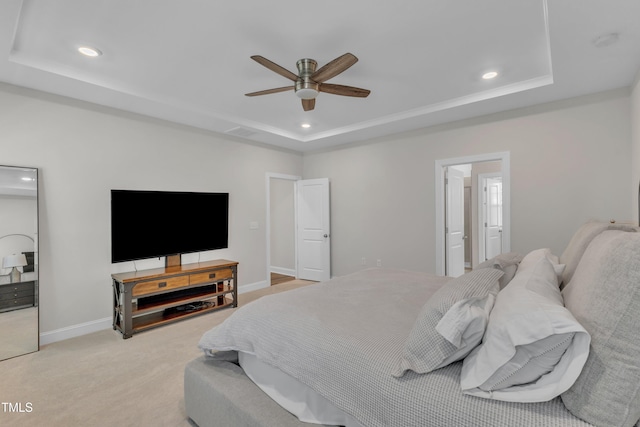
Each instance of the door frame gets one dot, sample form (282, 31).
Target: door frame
(293, 178)
(440, 165)
(482, 236)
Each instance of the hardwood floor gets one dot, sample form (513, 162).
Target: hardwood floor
(277, 279)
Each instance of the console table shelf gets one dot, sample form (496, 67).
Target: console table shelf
(149, 298)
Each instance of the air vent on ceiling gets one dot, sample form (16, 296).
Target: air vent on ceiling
(241, 132)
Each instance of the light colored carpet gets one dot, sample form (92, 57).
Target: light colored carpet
(18, 332)
(102, 380)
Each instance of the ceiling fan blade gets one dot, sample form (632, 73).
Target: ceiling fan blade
(274, 67)
(268, 91)
(344, 90)
(334, 68)
(308, 104)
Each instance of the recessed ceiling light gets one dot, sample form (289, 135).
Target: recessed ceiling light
(89, 51)
(306, 125)
(490, 75)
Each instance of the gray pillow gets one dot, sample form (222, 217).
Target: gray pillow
(604, 296)
(469, 299)
(579, 243)
(507, 262)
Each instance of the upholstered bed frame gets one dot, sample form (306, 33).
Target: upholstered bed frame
(218, 393)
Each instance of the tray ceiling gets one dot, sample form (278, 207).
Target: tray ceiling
(189, 61)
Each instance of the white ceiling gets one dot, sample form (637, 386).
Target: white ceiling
(189, 61)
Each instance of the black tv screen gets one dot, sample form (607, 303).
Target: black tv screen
(149, 224)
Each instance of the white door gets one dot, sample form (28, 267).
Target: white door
(314, 232)
(493, 217)
(454, 227)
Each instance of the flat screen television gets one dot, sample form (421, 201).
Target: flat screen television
(150, 224)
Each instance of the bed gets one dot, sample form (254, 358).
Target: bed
(533, 340)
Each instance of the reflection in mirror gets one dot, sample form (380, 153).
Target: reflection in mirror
(19, 332)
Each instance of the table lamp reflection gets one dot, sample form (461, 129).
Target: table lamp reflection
(14, 261)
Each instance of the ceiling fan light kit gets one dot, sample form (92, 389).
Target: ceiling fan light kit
(305, 87)
(309, 81)
(307, 92)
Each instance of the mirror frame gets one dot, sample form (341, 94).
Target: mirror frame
(18, 190)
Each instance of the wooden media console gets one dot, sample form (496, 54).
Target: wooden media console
(148, 298)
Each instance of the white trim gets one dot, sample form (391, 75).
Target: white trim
(253, 286)
(282, 270)
(295, 178)
(75, 330)
(503, 157)
(516, 87)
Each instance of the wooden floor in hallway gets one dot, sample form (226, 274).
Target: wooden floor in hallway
(277, 278)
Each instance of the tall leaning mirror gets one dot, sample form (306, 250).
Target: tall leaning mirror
(19, 332)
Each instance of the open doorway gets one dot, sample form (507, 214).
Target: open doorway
(298, 227)
(281, 229)
(472, 211)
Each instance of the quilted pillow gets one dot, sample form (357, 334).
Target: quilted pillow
(533, 349)
(507, 262)
(451, 323)
(604, 295)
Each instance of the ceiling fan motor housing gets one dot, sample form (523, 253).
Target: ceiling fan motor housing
(305, 87)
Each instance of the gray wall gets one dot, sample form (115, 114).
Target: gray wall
(569, 163)
(84, 151)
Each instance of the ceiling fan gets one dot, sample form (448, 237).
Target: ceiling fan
(309, 81)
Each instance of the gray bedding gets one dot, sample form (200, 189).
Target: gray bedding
(343, 338)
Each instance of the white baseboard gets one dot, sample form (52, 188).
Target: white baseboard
(282, 270)
(107, 322)
(75, 330)
(253, 286)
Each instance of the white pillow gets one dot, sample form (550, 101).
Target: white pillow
(533, 349)
(531, 259)
(465, 303)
